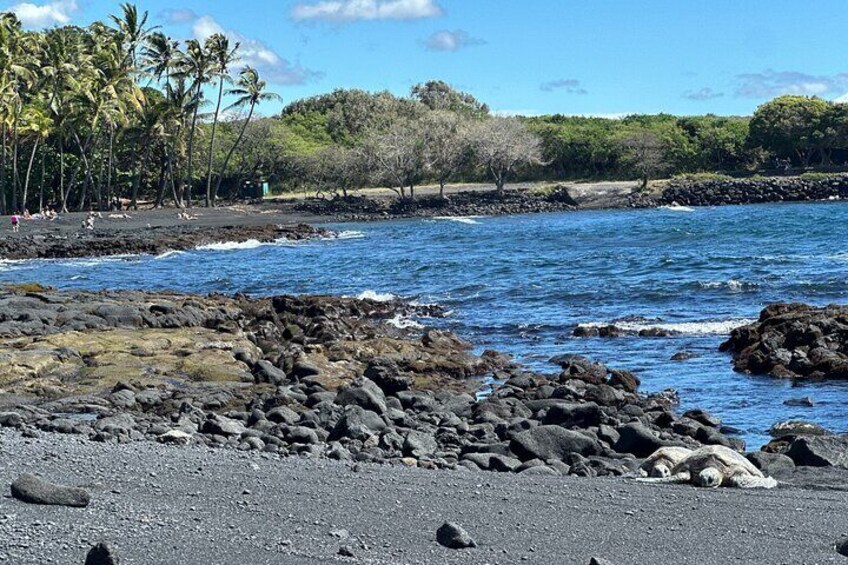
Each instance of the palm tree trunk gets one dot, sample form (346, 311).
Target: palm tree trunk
(3, 168)
(232, 150)
(29, 171)
(41, 184)
(62, 196)
(160, 191)
(109, 167)
(138, 175)
(209, 201)
(189, 180)
(15, 163)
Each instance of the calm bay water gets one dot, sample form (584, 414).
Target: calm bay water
(521, 284)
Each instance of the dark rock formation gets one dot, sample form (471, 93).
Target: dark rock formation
(793, 341)
(153, 241)
(752, 191)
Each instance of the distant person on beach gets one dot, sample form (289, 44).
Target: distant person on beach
(27, 215)
(15, 223)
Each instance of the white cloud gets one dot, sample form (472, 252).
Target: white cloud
(352, 10)
(178, 15)
(770, 83)
(450, 40)
(568, 85)
(45, 15)
(257, 54)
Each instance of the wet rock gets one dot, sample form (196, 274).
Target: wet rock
(624, 380)
(684, 356)
(805, 402)
(35, 490)
(102, 554)
(599, 561)
(796, 428)
(703, 417)
(453, 536)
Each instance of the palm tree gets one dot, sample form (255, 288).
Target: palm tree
(36, 124)
(193, 66)
(221, 57)
(250, 90)
(131, 30)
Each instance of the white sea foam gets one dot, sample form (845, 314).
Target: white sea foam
(232, 245)
(459, 219)
(171, 253)
(376, 296)
(95, 261)
(733, 285)
(402, 322)
(348, 234)
(677, 208)
(706, 327)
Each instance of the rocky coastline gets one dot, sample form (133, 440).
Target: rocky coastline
(325, 377)
(144, 241)
(466, 203)
(753, 191)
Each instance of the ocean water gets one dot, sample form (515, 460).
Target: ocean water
(521, 284)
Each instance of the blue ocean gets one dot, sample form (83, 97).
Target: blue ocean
(522, 284)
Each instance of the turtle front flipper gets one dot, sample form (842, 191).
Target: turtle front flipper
(748, 481)
(681, 477)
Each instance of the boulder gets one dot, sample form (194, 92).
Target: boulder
(35, 490)
(266, 372)
(357, 423)
(820, 451)
(637, 439)
(419, 444)
(101, 554)
(223, 426)
(366, 395)
(552, 442)
(772, 464)
(453, 536)
(572, 414)
(386, 375)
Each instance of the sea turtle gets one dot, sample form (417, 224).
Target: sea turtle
(663, 460)
(714, 466)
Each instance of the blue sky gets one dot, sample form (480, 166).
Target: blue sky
(599, 57)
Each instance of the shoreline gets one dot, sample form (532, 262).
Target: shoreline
(153, 232)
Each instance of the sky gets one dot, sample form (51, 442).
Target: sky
(576, 57)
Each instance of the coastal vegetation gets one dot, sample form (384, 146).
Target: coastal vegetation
(119, 110)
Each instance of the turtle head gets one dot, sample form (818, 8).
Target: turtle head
(660, 470)
(709, 477)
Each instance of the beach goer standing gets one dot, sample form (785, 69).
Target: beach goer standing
(16, 220)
